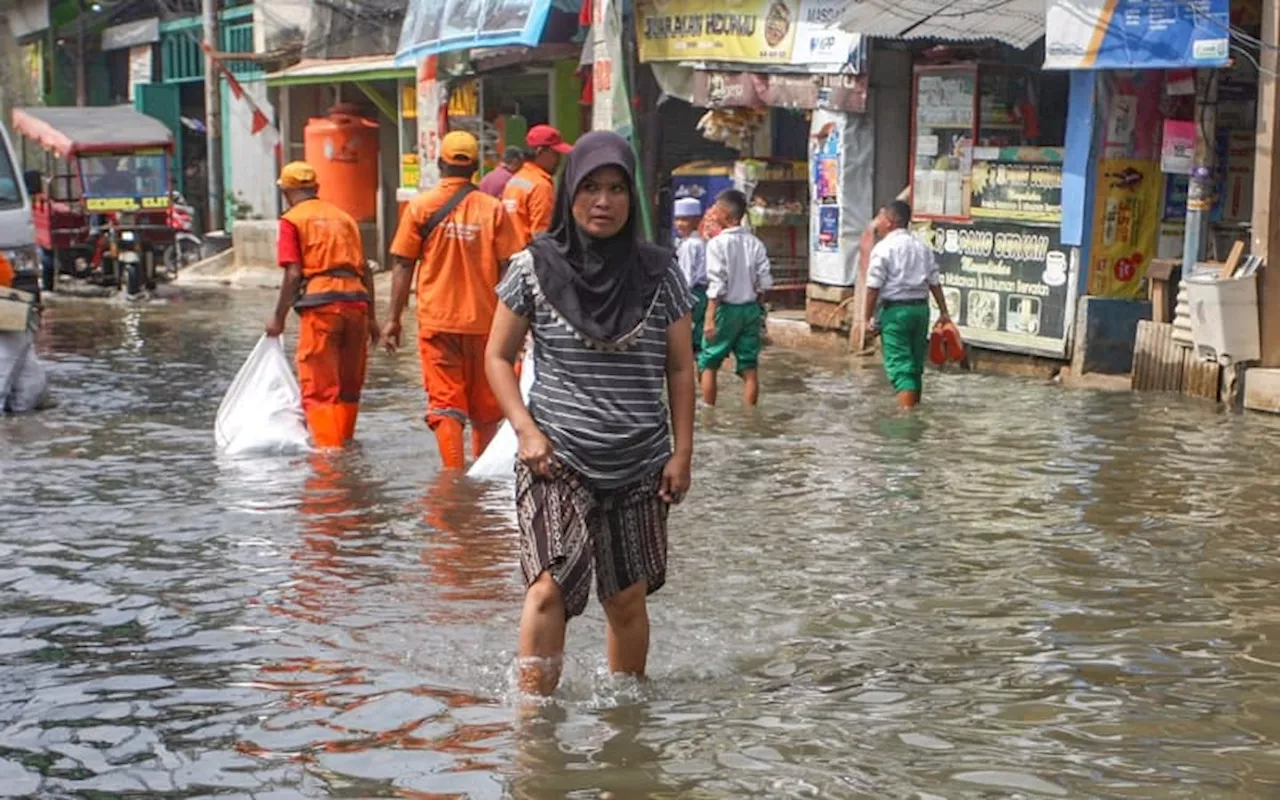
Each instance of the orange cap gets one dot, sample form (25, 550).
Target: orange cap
(297, 175)
(460, 149)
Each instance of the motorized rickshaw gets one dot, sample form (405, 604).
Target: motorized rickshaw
(103, 210)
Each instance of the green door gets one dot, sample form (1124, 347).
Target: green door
(164, 102)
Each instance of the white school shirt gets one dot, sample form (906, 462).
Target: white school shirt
(902, 267)
(691, 255)
(737, 267)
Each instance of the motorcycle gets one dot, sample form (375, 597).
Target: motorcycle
(187, 247)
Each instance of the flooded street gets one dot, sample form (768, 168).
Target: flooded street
(1019, 592)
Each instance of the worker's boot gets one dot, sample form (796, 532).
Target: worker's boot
(451, 441)
(325, 423)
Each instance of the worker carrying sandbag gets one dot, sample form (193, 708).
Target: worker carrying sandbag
(261, 413)
(330, 286)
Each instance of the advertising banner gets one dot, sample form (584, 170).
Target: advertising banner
(432, 27)
(1150, 34)
(1008, 286)
(794, 32)
(1016, 191)
(713, 89)
(1126, 226)
(610, 108)
(430, 99)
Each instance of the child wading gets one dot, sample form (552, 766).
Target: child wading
(900, 277)
(691, 253)
(737, 278)
(597, 466)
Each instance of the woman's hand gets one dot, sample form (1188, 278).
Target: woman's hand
(677, 476)
(537, 453)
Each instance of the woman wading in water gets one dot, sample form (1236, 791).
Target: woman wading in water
(597, 467)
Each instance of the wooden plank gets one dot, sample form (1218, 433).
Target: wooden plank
(1233, 260)
(1137, 378)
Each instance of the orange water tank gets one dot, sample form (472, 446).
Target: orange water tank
(343, 148)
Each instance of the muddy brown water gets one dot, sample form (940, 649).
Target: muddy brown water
(1019, 592)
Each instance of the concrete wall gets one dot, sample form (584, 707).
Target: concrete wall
(1104, 334)
(254, 242)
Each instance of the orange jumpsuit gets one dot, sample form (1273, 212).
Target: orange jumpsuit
(530, 200)
(458, 271)
(333, 308)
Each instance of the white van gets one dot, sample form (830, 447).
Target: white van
(17, 232)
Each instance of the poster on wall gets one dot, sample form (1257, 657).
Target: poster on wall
(1009, 286)
(1152, 34)
(139, 67)
(1127, 215)
(840, 153)
(430, 98)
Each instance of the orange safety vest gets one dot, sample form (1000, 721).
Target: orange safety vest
(332, 260)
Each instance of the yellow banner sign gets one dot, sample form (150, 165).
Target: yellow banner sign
(754, 31)
(1126, 226)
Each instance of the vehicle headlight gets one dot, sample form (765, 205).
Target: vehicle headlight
(24, 259)
(127, 236)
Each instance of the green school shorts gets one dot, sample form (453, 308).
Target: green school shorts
(738, 333)
(904, 334)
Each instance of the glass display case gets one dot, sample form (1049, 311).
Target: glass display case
(957, 109)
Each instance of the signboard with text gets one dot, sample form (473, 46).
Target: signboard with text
(1009, 286)
(1016, 191)
(1144, 34)
(432, 27)
(795, 32)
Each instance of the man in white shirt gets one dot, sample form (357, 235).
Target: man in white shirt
(901, 276)
(737, 277)
(691, 255)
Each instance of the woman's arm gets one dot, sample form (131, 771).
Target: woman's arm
(505, 339)
(681, 377)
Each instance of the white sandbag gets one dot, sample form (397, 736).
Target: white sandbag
(499, 459)
(24, 385)
(261, 413)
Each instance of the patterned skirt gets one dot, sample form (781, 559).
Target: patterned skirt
(571, 529)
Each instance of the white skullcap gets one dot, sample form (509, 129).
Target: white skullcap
(688, 207)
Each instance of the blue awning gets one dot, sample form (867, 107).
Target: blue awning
(432, 27)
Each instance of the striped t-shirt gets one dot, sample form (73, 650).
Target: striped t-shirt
(604, 410)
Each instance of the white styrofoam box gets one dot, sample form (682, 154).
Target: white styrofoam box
(1224, 318)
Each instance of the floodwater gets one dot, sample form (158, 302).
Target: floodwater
(1018, 592)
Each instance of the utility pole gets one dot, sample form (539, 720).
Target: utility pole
(82, 79)
(1266, 177)
(213, 115)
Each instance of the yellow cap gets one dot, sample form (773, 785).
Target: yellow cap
(297, 175)
(460, 149)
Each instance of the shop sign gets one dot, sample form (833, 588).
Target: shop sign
(751, 90)
(140, 67)
(1016, 191)
(1178, 147)
(432, 27)
(1008, 286)
(1144, 34)
(1126, 226)
(797, 32)
(429, 101)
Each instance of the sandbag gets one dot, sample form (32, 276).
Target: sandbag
(261, 413)
(24, 385)
(499, 459)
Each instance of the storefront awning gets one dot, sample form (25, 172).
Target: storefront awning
(340, 70)
(1016, 22)
(432, 27)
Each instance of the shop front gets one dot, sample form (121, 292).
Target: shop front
(767, 80)
(986, 188)
(495, 73)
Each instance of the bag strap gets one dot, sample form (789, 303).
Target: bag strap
(429, 227)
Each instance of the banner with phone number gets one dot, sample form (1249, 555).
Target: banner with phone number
(1126, 226)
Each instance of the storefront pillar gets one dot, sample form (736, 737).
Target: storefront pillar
(1266, 213)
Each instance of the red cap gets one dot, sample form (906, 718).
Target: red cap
(547, 136)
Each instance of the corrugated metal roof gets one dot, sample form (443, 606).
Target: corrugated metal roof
(1016, 22)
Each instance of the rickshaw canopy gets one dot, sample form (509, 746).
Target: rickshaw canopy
(71, 131)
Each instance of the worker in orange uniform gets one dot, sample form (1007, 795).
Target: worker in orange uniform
(530, 195)
(327, 282)
(459, 240)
